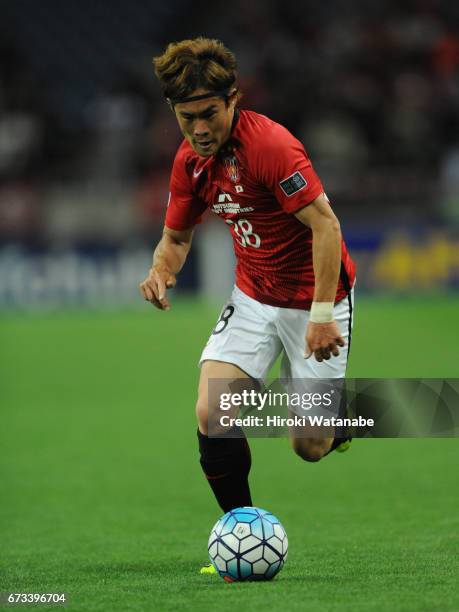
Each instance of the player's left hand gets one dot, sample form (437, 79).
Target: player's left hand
(323, 340)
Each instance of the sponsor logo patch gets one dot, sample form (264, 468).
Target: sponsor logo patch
(293, 183)
(225, 204)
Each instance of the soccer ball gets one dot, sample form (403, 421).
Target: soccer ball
(248, 544)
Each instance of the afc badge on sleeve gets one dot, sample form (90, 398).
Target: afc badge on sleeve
(293, 183)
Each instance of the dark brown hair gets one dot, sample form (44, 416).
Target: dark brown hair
(191, 64)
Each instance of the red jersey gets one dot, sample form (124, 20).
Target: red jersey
(257, 180)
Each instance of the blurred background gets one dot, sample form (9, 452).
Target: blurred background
(86, 140)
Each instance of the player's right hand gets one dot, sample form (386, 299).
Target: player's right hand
(153, 288)
(323, 340)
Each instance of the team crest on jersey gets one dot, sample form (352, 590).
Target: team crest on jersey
(232, 168)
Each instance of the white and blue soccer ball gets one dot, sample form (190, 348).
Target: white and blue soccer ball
(248, 544)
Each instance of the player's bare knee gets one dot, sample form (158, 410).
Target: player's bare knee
(310, 450)
(208, 417)
(312, 455)
(202, 414)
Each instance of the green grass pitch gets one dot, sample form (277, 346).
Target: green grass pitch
(102, 495)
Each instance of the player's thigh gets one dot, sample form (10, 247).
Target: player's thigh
(304, 377)
(219, 379)
(292, 331)
(245, 335)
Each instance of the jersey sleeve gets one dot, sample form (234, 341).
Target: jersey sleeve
(184, 208)
(286, 170)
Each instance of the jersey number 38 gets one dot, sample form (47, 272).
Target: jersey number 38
(244, 234)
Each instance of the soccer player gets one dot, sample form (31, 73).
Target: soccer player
(294, 276)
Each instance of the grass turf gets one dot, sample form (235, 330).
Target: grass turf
(102, 495)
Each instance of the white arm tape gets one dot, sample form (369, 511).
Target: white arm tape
(321, 312)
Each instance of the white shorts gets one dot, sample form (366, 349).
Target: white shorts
(252, 335)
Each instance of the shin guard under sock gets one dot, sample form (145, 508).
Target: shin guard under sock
(226, 464)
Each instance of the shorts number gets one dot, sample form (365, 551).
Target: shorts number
(223, 320)
(244, 234)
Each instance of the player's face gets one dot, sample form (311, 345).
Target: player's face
(206, 124)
